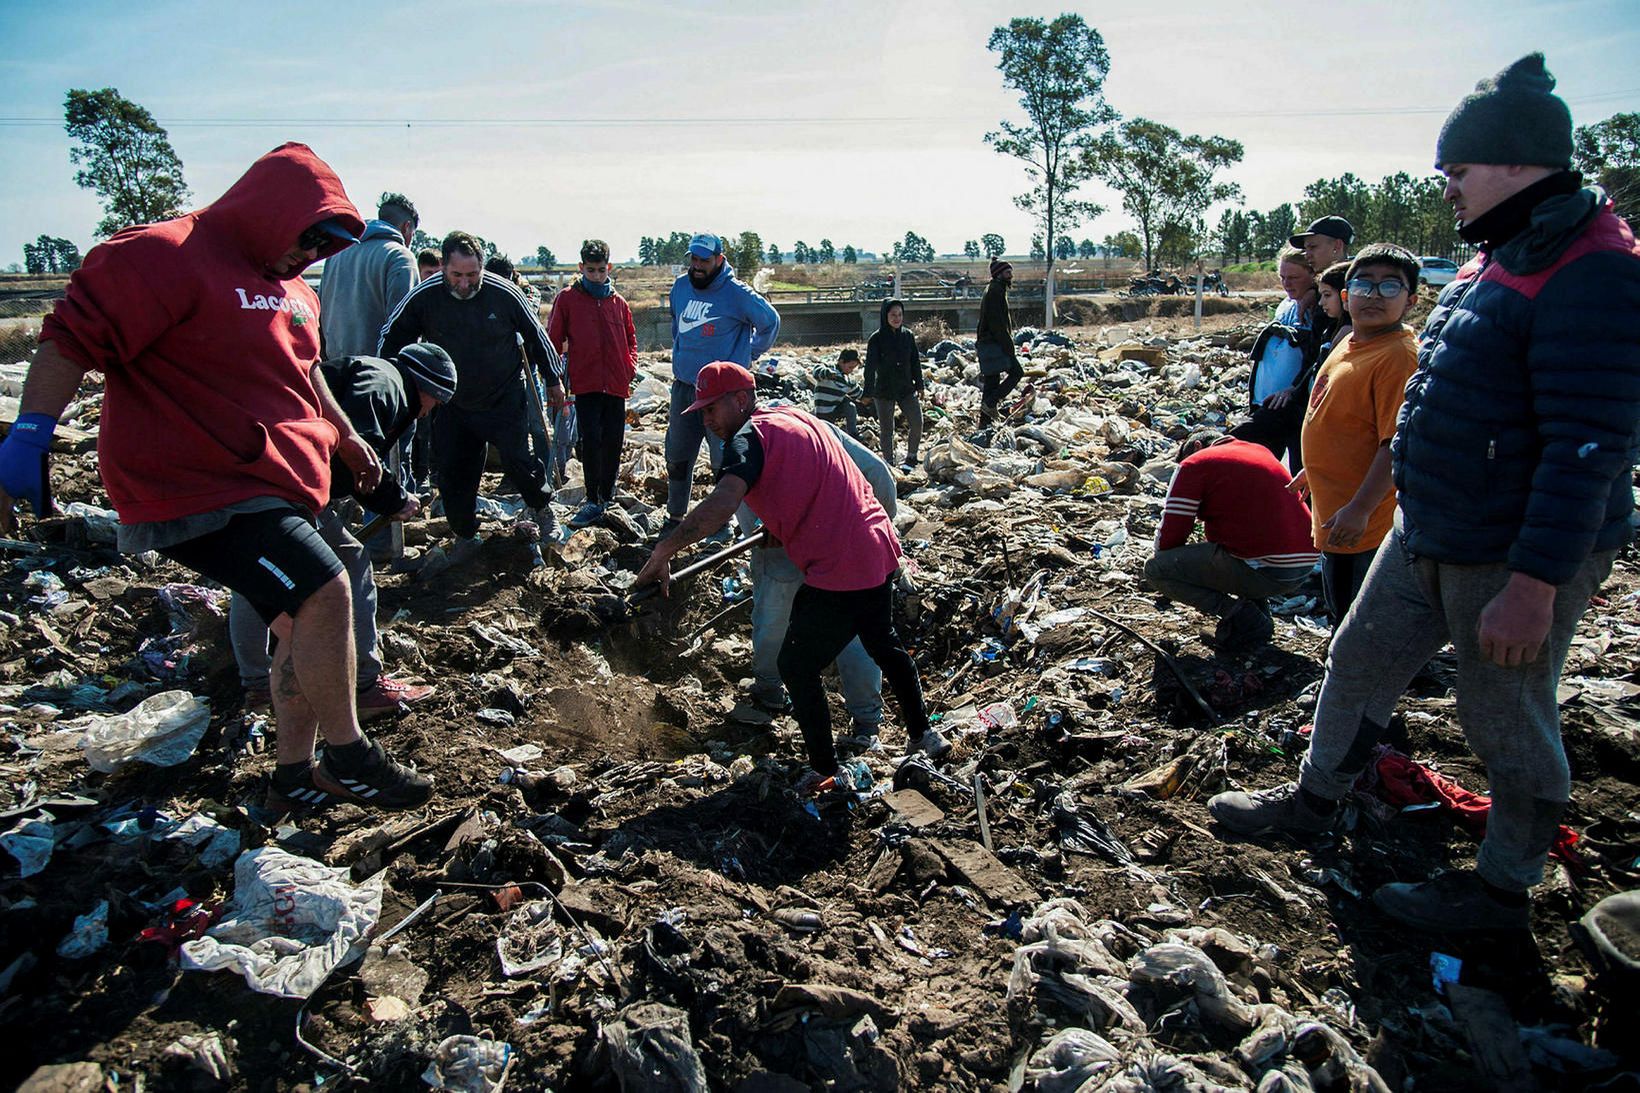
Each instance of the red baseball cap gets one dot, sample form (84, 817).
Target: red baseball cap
(718, 379)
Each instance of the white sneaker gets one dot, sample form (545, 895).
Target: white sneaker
(931, 744)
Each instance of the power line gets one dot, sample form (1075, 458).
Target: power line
(696, 122)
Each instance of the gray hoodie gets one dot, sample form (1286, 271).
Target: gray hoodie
(360, 287)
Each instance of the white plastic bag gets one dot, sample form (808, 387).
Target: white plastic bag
(290, 923)
(163, 729)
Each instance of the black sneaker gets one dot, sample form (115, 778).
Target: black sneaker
(1455, 902)
(376, 781)
(301, 794)
(1269, 810)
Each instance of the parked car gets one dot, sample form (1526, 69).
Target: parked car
(1437, 271)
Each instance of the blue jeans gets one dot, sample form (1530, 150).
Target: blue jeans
(684, 432)
(775, 581)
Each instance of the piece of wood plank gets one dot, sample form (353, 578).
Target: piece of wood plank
(1001, 886)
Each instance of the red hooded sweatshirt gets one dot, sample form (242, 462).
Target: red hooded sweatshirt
(599, 338)
(206, 353)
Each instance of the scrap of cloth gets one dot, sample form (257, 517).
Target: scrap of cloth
(1401, 780)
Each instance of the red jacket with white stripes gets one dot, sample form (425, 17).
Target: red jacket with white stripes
(1238, 490)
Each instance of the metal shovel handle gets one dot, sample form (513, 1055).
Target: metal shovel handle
(705, 563)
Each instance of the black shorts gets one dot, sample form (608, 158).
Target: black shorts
(274, 558)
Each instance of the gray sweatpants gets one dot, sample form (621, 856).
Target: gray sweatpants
(1411, 607)
(684, 432)
(249, 634)
(1211, 579)
(911, 407)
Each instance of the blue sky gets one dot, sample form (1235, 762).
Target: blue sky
(533, 122)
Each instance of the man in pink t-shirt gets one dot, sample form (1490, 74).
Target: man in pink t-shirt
(789, 469)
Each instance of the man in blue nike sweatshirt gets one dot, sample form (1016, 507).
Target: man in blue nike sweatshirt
(715, 317)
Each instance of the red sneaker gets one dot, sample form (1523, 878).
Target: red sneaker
(390, 696)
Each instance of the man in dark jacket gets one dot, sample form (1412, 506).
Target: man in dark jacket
(994, 342)
(217, 437)
(1513, 458)
(894, 377)
(478, 318)
(383, 400)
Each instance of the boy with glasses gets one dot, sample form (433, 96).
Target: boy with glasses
(1351, 420)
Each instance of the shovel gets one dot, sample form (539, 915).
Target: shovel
(648, 591)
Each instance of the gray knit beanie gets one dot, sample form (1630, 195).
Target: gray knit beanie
(431, 367)
(1512, 118)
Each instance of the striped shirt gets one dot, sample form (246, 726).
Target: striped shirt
(831, 389)
(1238, 491)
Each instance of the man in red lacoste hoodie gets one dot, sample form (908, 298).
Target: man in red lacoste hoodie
(216, 438)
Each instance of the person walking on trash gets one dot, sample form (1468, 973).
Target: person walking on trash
(217, 436)
(789, 469)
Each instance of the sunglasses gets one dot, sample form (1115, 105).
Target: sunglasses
(1362, 288)
(313, 239)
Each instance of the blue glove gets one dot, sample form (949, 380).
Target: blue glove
(23, 460)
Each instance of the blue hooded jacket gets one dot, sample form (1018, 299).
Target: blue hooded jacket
(725, 321)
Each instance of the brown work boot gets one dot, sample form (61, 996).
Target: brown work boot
(387, 696)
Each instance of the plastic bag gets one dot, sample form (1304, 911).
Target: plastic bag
(1188, 968)
(651, 1049)
(530, 940)
(468, 1064)
(1072, 1058)
(290, 923)
(31, 843)
(163, 730)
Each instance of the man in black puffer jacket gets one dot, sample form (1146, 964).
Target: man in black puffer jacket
(1513, 458)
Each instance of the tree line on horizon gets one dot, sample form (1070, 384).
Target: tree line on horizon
(1167, 180)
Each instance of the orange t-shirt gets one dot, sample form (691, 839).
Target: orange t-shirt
(1354, 402)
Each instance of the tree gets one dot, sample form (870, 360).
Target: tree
(1064, 247)
(914, 248)
(125, 157)
(800, 252)
(992, 244)
(646, 251)
(1164, 176)
(1086, 249)
(1234, 236)
(746, 254)
(1123, 244)
(774, 255)
(49, 254)
(1608, 153)
(421, 241)
(1271, 230)
(1345, 196)
(850, 255)
(1037, 250)
(970, 249)
(544, 257)
(1059, 70)
(826, 252)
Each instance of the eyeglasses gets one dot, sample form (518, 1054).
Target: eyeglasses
(1361, 288)
(312, 239)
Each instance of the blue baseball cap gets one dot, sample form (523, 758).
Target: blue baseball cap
(705, 245)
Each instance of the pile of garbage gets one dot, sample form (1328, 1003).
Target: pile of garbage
(615, 886)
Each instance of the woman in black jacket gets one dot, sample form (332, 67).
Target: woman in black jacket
(894, 377)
